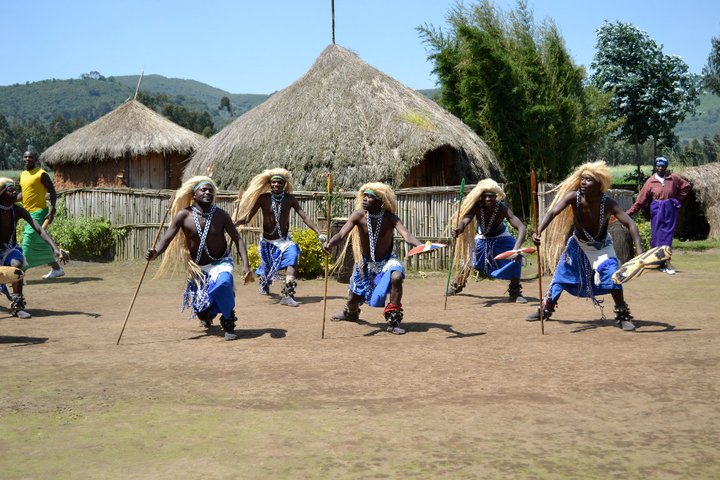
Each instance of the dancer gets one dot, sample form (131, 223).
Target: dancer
(204, 252)
(492, 238)
(10, 253)
(586, 264)
(377, 270)
(664, 192)
(277, 250)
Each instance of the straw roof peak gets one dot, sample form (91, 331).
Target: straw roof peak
(131, 129)
(345, 117)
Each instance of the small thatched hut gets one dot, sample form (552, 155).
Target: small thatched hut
(701, 211)
(132, 146)
(348, 118)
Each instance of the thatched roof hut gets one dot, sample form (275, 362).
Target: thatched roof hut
(348, 118)
(705, 198)
(132, 146)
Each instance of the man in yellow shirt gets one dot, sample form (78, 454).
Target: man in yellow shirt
(35, 184)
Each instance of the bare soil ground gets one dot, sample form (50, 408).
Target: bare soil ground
(473, 391)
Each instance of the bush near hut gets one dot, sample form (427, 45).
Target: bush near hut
(85, 238)
(645, 233)
(312, 258)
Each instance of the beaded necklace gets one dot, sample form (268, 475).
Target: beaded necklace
(197, 213)
(374, 232)
(589, 237)
(276, 204)
(485, 228)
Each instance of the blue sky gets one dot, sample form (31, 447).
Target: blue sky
(263, 46)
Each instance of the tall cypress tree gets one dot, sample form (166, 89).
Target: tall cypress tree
(514, 83)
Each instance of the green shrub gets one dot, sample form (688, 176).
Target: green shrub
(253, 257)
(645, 233)
(312, 257)
(85, 238)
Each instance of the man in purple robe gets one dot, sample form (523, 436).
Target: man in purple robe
(664, 192)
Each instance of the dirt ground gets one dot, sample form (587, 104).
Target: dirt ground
(473, 391)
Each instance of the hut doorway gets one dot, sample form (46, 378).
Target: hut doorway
(148, 171)
(437, 169)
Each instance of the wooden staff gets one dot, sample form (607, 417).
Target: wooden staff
(327, 255)
(452, 248)
(533, 183)
(147, 263)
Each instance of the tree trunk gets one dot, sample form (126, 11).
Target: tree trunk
(637, 161)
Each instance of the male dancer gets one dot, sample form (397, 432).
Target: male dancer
(377, 269)
(484, 211)
(277, 250)
(204, 252)
(587, 263)
(10, 253)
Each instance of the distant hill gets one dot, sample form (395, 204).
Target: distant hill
(42, 101)
(705, 124)
(198, 91)
(91, 98)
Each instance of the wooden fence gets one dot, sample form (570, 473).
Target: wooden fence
(426, 212)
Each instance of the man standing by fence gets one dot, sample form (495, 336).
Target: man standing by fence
(664, 192)
(35, 184)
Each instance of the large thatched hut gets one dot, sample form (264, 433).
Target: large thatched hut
(348, 118)
(700, 215)
(132, 146)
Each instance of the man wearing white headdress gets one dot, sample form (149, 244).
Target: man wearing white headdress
(378, 272)
(204, 252)
(271, 192)
(485, 213)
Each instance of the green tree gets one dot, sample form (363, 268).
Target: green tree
(651, 92)
(514, 83)
(198, 122)
(225, 103)
(710, 149)
(711, 71)
(10, 156)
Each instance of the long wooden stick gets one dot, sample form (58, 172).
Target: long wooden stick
(452, 248)
(142, 277)
(533, 182)
(327, 256)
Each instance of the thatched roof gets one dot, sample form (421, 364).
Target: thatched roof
(131, 129)
(342, 116)
(705, 181)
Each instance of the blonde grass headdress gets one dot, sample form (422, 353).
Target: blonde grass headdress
(389, 203)
(465, 242)
(177, 252)
(556, 234)
(258, 185)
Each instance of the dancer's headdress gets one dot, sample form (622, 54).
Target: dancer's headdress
(258, 185)
(556, 235)
(466, 240)
(177, 252)
(389, 203)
